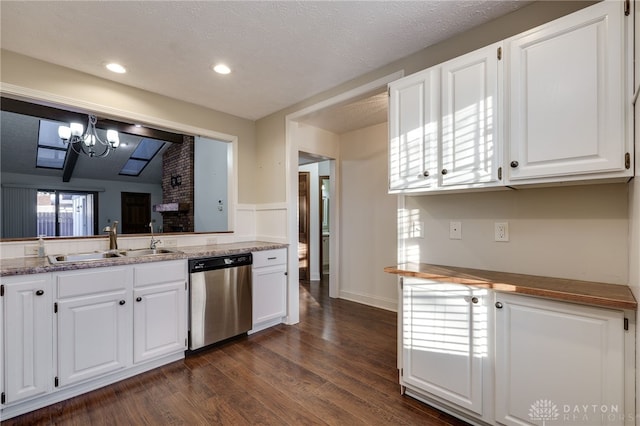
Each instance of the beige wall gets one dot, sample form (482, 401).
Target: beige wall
(106, 95)
(576, 232)
(270, 130)
(367, 219)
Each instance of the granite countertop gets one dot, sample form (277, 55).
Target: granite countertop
(585, 292)
(36, 265)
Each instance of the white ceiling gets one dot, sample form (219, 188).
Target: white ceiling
(281, 52)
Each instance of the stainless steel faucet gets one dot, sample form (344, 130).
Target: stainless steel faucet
(154, 242)
(113, 235)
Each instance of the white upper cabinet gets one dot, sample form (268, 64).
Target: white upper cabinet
(555, 108)
(470, 144)
(413, 131)
(443, 125)
(568, 101)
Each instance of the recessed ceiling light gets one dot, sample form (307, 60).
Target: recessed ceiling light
(222, 69)
(117, 68)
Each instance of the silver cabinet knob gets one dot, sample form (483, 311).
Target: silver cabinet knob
(499, 305)
(474, 299)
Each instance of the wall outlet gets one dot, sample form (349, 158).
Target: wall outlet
(31, 250)
(455, 230)
(211, 241)
(502, 231)
(169, 242)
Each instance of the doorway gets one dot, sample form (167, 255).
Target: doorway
(135, 212)
(323, 214)
(303, 225)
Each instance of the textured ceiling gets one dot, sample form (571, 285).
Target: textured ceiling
(281, 52)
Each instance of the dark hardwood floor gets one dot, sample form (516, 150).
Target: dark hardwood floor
(337, 366)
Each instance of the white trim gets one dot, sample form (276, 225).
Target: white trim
(377, 302)
(291, 164)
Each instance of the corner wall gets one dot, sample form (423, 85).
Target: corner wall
(367, 219)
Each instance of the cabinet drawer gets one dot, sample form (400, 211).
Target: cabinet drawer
(269, 258)
(91, 281)
(159, 272)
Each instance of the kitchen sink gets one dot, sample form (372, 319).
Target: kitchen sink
(146, 252)
(88, 257)
(83, 257)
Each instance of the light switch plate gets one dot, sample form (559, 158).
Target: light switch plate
(455, 230)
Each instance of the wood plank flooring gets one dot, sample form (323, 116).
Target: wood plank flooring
(336, 367)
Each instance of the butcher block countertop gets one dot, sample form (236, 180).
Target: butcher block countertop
(584, 292)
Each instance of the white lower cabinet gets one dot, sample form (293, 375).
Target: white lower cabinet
(558, 362)
(269, 288)
(94, 323)
(444, 342)
(67, 333)
(554, 362)
(159, 311)
(28, 337)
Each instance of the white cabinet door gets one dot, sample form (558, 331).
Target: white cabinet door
(470, 153)
(414, 131)
(28, 334)
(159, 326)
(269, 294)
(444, 341)
(554, 359)
(568, 97)
(95, 313)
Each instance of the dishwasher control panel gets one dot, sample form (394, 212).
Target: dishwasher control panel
(220, 262)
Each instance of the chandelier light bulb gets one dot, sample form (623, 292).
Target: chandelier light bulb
(113, 138)
(76, 129)
(64, 133)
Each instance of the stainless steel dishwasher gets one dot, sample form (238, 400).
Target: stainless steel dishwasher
(219, 298)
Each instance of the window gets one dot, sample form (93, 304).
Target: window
(143, 154)
(67, 213)
(52, 152)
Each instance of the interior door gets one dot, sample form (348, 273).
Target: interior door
(303, 225)
(136, 212)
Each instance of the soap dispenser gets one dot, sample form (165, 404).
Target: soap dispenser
(40, 246)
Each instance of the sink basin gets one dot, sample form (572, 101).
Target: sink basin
(146, 252)
(83, 257)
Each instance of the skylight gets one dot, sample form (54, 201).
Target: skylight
(143, 154)
(51, 150)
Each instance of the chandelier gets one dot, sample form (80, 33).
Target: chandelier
(87, 142)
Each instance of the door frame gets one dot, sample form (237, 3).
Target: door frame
(307, 218)
(291, 165)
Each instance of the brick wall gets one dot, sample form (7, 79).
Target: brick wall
(177, 163)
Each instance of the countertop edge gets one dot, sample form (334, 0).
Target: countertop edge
(592, 293)
(34, 265)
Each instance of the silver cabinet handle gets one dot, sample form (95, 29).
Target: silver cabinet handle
(39, 292)
(499, 305)
(474, 299)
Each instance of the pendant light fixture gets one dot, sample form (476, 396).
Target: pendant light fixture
(88, 142)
